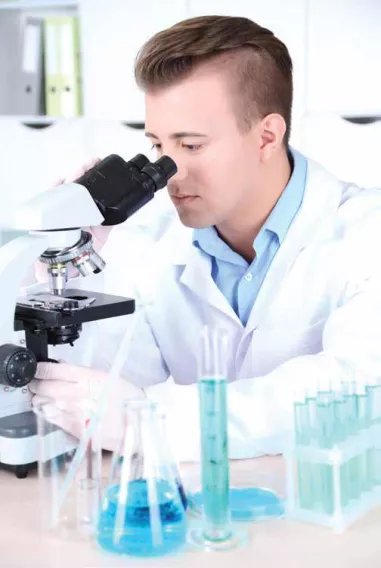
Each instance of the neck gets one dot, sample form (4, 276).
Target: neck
(241, 229)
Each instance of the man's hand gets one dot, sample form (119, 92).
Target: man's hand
(66, 388)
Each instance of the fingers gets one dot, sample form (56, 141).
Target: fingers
(66, 372)
(69, 416)
(82, 170)
(56, 389)
(65, 420)
(67, 382)
(77, 173)
(37, 400)
(50, 407)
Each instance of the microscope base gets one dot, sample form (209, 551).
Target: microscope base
(19, 444)
(19, 455)
(20, 471)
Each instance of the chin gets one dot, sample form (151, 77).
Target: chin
(194, 222)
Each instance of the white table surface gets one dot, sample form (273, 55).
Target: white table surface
(271, 544)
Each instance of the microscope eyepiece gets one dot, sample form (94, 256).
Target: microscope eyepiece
(121, 188)
(168, 165)
(140, 160)
(160, 171)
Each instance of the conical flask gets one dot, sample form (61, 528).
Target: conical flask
(142, 511)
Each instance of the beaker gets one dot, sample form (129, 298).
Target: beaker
(142, 512)
(75, 511)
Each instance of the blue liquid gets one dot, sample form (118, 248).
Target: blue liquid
(178, 482)
(247, 504)
(183, 497)
(137, 537)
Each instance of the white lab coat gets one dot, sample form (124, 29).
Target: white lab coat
(317, 318)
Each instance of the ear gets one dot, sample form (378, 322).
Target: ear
(272, 130)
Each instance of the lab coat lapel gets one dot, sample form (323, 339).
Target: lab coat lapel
(316, 215)
(197, 277)
(177, 248)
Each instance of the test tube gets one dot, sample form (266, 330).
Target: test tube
(304, 468)
(354, 464)
(325, 439)
(217, 532)
(341, 431)
(374, 418)
(364, 461)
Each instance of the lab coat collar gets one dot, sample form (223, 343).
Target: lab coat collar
(315, 217)
(176, 248)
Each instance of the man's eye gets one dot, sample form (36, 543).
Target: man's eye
(156, 147)
(192, 147)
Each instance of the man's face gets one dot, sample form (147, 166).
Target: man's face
(194, 123)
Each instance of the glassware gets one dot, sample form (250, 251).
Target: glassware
(217, 532)
(142, 509)
(254, 495)
(78, 513)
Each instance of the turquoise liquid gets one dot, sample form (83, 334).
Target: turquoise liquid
(214, 458)
(137, 538)
(325, 439)
(247, 504)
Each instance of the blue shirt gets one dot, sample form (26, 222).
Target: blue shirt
(238, 280)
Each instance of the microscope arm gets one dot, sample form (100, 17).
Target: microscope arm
(64, 207)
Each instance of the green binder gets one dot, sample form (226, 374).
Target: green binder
(62, 66)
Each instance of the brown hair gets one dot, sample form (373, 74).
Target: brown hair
(258, 63)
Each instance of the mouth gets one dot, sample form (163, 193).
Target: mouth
(183, 199)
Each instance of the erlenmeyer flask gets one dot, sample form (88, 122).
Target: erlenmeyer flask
(142, 510)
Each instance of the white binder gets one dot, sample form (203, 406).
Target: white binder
(21, 65)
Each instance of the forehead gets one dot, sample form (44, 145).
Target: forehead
(201, 101)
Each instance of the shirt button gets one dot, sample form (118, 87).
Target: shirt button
(248, 277)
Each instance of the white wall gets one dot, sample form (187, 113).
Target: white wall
(335, 45)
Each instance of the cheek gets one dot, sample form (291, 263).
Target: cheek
(221, 174)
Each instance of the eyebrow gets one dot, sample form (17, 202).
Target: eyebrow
(177, 135)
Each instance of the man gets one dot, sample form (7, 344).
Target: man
(272, 248)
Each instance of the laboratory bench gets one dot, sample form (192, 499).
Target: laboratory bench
(270, 544)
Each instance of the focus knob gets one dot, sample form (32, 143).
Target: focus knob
(17, 365)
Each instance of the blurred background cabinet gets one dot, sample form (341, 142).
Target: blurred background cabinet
(349, 150)
(112, 33)
(336, 50)
(343, 41)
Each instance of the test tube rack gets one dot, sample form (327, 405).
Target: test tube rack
(334, 474)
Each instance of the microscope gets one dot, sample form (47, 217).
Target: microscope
(107, 194)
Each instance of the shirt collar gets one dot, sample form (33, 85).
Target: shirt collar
(278, 222)
(282, 215)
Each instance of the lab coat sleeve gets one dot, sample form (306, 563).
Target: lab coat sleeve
(144, 364)
(261, 408)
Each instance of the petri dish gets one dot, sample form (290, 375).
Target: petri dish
(253, 497)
